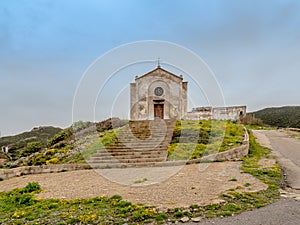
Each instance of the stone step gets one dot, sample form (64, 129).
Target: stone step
(131, 136)
(130, 153)
(134, 146)
(127, 156)
(113, 150)
(139, 145)
(139, 160)
(141, 131)
(121, 165)
(140, 164)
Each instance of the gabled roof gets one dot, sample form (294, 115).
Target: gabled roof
(158, 68)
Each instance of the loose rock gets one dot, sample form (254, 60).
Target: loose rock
(196, 219)
(184, 219)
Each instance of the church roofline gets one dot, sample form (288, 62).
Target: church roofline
(159, 68)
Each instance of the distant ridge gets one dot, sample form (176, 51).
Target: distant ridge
(17, 142)
(287, 116)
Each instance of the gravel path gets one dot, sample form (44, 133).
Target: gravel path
(193, 184)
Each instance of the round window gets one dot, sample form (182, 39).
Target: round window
(158, 91)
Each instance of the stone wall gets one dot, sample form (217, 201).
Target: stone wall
(25, 170)
(234, 113)
(234, 154)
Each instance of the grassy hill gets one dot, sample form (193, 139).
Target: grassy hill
(287, 116)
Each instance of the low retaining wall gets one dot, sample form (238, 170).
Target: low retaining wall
(234, 154)
(292, 129)
(25, 170)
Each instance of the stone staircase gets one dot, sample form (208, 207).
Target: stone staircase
(140, 144)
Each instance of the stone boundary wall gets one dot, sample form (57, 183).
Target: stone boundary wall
(234, 154)
(26, 170)
(292, 129)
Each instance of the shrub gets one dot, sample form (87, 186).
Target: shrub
(31, 147)
(31, 187)
(52, 161)
(24, 199)
(63, 135)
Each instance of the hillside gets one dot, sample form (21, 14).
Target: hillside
(51, 145)
(18, 142)
(287, 116)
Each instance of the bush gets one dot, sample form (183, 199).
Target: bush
(31, 187)
(24, 199)
(52, 161)
(31, 147)
(61, 136)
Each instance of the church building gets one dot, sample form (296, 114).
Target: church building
(162, 94)
(158, 94)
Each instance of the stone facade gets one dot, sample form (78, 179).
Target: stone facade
(234, 113)
(158, 94)
(163, 94)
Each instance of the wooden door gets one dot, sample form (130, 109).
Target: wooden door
(159, 111)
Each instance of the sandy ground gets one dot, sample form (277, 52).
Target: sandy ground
(163, 187)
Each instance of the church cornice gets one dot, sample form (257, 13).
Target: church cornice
(158, 68)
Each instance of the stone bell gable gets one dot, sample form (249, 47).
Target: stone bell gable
(158, 94)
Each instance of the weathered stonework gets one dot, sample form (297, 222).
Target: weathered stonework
(234, 113)
(26, 170)
(158, 93)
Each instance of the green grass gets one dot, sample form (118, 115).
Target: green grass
(19, 206)
(106, 138)
(296, 136)
(193, 139)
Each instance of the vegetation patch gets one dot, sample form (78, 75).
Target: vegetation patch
(193, 139)
(233, 179)
(19, 206)
(296, 136)
(138, 181)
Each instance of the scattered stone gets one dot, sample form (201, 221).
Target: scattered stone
(217, 201)
(196, 219)
(222, 201)
(184, 219)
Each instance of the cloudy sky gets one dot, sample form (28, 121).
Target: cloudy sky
(253, 48)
